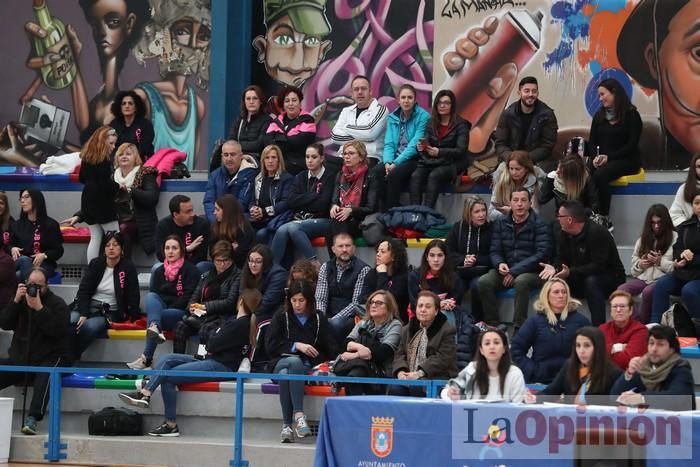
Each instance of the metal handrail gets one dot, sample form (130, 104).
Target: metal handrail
(55, 446)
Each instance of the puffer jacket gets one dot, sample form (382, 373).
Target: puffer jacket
(414, 217)
(281, 188)
(292, 138)
(240, 185)
(524, 251)
(224, 304)
(541, 136)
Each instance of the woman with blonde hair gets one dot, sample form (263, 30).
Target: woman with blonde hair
(355, 195)
(269, 209)
(550, 333)
(370, 346)
(516, 172)
(97, 201)
(570, 182)
(469, 245)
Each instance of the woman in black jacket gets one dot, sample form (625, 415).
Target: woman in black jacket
(391, 273)
(250, 126)
(172, 285)
(231, 225)
(298, 339)
(355, 194)
(6, 221)
(108, 292)
(97, 200)
(613, 145)
(213, 301)
(469, 244)
(445, 144)
(571, 181)
(136, 199)
(225, 350)
(309, 200)
(35, 238)
(261, 273)
(588, 372)
(131, 123)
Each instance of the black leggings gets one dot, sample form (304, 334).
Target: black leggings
(602, 176)
(430, 181)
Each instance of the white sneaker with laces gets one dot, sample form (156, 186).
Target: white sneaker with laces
(139, 364)
(287, 435)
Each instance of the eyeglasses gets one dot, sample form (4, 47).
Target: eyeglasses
(255, 261)
(619, 307)
(376, 302)
(223, 260)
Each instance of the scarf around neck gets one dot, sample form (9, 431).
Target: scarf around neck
(127, 180)
(351, 185)
(171, 270)
(653, 376)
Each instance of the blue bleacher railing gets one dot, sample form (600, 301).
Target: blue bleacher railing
(56, 449)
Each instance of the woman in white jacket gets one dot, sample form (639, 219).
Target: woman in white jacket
(652, 258)
(681, 208)
(491, 375)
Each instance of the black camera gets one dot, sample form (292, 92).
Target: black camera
(33, 290)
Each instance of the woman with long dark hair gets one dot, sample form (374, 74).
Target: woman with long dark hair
(652, 258)
(131, 123)
(391, 273)
(231, 225)
(613, 145)
(259, 272)
(227, 347)
(587, 372)
(35, 238)
(469, 244)
(298, 339)
(682, 207)
(437, 275)
(97, 200)
(171, 287)
(491, 375)
(444, 146)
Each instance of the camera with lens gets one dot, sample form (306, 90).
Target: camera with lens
(33, 290)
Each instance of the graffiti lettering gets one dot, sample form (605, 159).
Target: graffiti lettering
(459, 8)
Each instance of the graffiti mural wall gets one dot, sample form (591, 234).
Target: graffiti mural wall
(320, 49)
(65, 61)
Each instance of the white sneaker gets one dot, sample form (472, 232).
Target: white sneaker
(244, 367)
(301, 428)
(139, 364)
(287, 435)
(154, 332)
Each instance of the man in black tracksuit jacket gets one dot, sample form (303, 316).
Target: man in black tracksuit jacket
(40, 326)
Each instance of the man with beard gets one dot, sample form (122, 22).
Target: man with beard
(528, 125)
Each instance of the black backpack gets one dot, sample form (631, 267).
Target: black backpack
(678, 318)
(112, 421)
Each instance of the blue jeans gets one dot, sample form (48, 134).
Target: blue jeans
(24, 266)
(300, 234)
(670, 285)
(291, 392)
(165, 318)
(168, 384)
(91, 329)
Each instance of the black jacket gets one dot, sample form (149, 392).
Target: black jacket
(126, 287)
(39, 336)
(187, 278)
(140, 133)
(452, 148)
(479, 239)
(250, 134)
(230, 343)
(51, 239)
(245, 240)
(620, 141)
(679, 382)
(313, 198)
(145, 193)
(560, 385)
(541, 137)
(396, 284)
(688, 238)
(224, 303)
(588, 196)
(368, 203)
(97, 199)
(8, 279)
(6, 236)
(272, 290)
(593, 251)
(167, 226)
(285, 329)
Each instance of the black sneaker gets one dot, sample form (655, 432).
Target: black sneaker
(165, 430)
(136, 398)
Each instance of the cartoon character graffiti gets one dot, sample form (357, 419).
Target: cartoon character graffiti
(179, 35)
(659, 46)
(293, 46)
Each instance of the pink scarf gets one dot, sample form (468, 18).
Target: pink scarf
(172, 269)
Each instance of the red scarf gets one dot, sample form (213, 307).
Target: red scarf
(172, 269)
(351, 185)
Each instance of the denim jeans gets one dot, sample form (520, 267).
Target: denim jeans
(24, 266)
(299, 233)
(168, 384)
(291, 392)
(165, 318)
(670, 285)
(91, 329)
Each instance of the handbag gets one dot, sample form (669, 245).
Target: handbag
(112, 421)
(343, 367)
